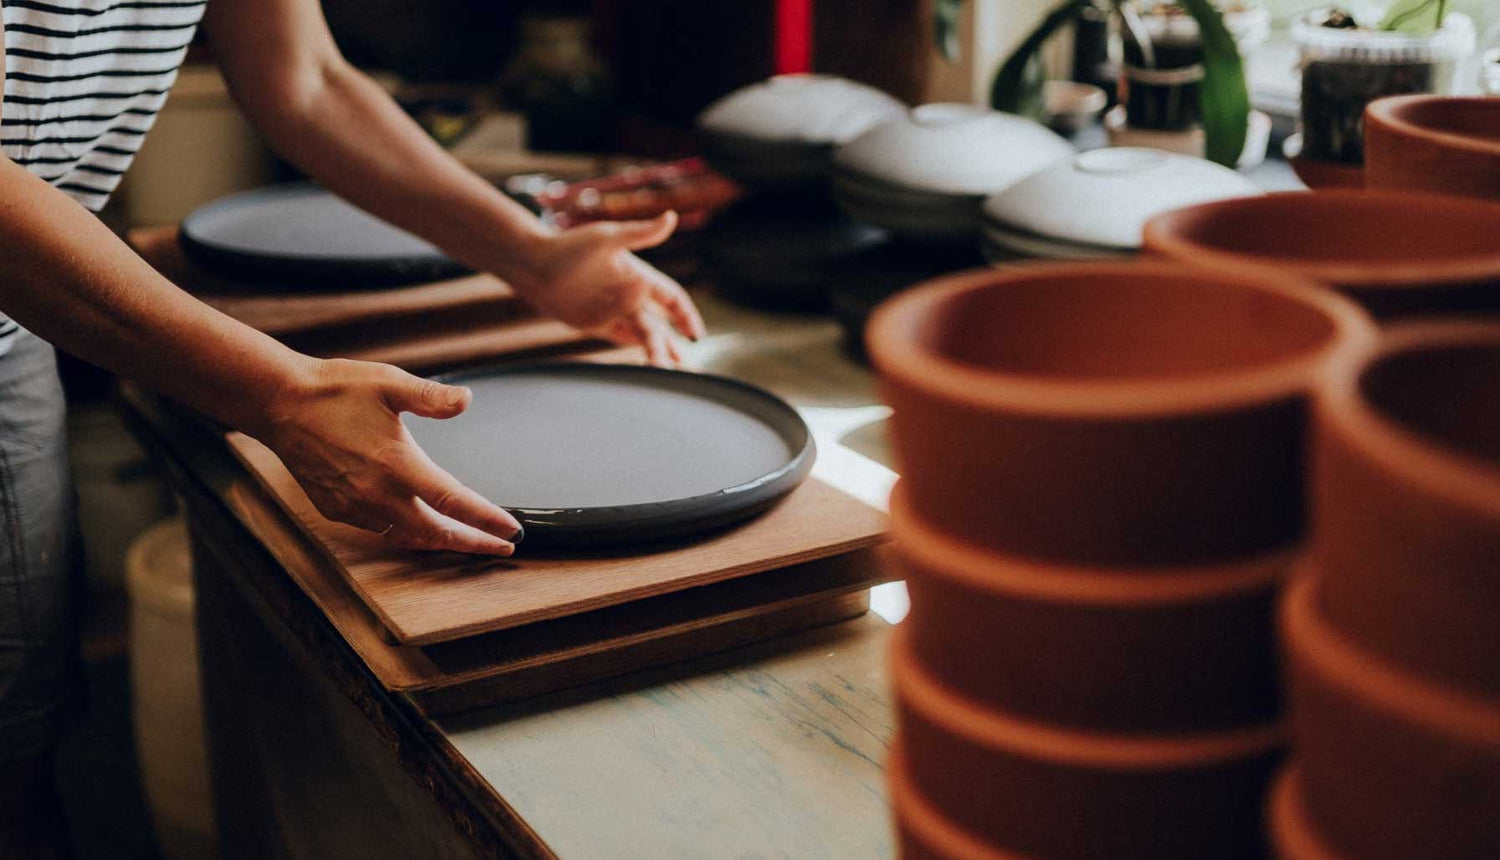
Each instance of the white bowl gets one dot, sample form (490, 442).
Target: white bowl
(952, 149)
(819, 109)
(1102, 199)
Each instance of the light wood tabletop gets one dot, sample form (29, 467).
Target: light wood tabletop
(773, 750)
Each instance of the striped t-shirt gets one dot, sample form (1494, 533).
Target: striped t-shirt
(84, 80)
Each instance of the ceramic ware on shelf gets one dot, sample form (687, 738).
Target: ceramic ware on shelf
(780, 133)
(1396, 253)
(1117, 414)
(1097, 203)
(1446, 145)
(1045, 791)
(924, 173)
(1406, 491)
(618, 454)
(1095, 649)
(1390, 765)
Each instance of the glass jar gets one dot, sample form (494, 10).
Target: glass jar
(1345, 69)
(1160, 89)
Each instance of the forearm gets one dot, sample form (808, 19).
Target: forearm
(66, 277)
(347, 133)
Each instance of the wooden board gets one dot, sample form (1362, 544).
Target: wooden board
(282, 312)
(549, 656)
(425, 598)
(424, 327)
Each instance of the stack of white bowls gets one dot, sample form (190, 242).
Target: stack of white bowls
(1095, 205)
(925, 173)
(778, 135)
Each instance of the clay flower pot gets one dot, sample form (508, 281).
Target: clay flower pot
(1434, 143)
(1110, 650)
(1292, 836)
(1392, 766)
(1397, 254)
(1125, 414)
(921, 831)
(1043, 791)
(1407, 502)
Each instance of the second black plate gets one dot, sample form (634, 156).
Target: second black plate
(303, 235)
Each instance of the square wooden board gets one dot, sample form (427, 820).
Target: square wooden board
(426, 598)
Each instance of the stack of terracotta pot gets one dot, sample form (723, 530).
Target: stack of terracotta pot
(1393, 634)
(1102, 491)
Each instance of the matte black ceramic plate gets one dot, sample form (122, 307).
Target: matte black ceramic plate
(591, 455)
(303, 234)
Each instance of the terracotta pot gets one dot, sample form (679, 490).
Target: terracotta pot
(1442, 144)
(1113, 650)
(1323, 175)
(1291, 835)
(1397, 253)
(1392, 766)
(922, 832)
(1109, 413)
(1039, 790)
(1407, 502)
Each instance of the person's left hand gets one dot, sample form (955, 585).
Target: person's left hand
(589, 278)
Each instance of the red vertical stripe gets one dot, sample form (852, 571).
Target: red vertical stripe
(793, 36)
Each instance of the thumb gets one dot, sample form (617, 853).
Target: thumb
(640, 235)
(427, 398)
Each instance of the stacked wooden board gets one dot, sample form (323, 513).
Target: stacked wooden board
(455, 632)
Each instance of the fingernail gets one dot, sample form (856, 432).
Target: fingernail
(519, 536)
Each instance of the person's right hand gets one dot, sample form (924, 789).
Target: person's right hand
(338, 430)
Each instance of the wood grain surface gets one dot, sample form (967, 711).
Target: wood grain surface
(425, 598)
(555, 655)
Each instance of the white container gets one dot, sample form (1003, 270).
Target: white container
(780, 133)
(925, 173)
(1096, 204)
(168, 698)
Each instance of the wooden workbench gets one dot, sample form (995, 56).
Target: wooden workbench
(772, 750)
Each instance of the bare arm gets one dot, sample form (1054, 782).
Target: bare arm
(336, 124)
(66, 277)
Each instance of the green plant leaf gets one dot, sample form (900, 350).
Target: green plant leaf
(1415, 17)
(1224, 98)
(945, 28)
(1009, 90)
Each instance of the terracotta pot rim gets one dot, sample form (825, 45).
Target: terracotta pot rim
(994, 729)
(960, 561)
(1387, 111)
(1343, 410)
(931, 826)
(1291, 831)
(1312, 643)
(897, 355)
(1160, 237)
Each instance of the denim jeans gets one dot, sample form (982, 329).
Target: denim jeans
(40, 670)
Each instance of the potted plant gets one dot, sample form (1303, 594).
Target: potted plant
(1346, 65)
(1195, 78)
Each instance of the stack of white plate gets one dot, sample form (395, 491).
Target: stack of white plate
(924, 174)
(778, 135)
(1094, 205)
